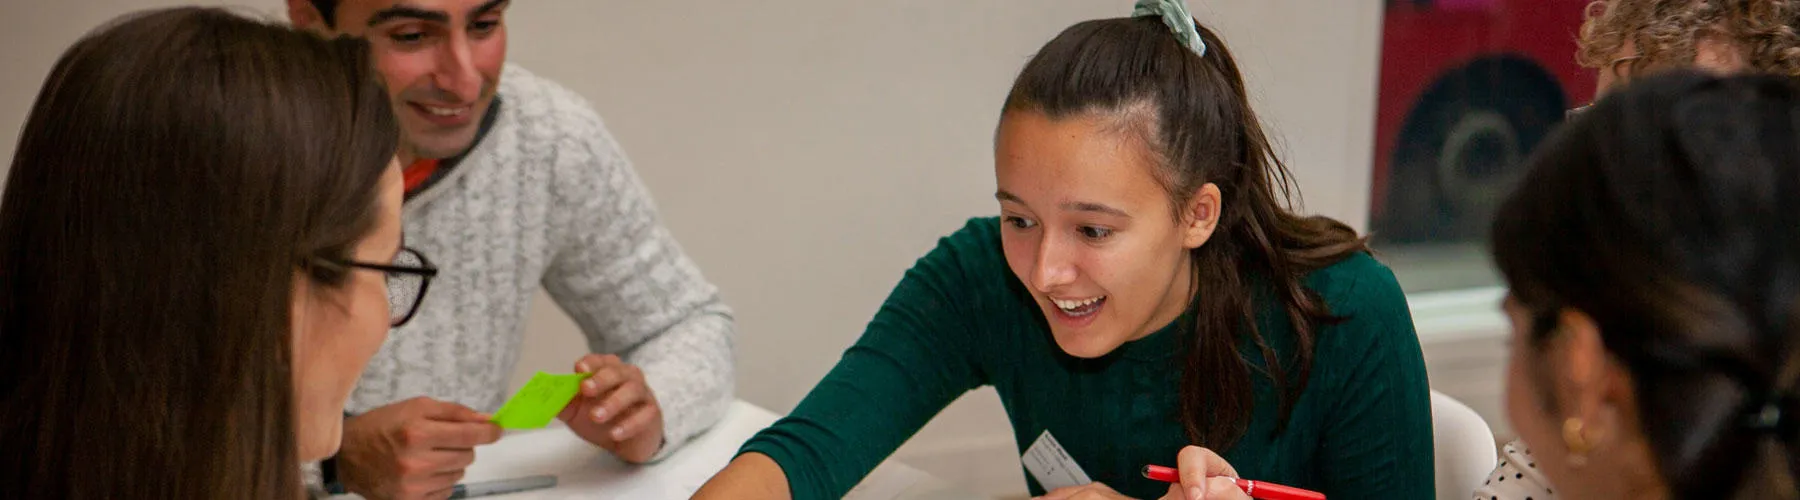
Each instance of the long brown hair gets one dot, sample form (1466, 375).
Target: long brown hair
(177, 170)
(1670, 214)
(1194, 113)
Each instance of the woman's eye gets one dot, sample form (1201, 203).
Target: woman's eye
(1020, 222)
(1094, 233)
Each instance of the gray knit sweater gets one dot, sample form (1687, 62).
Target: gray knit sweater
(547, 198)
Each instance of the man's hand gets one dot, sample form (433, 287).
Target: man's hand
(416, 448)
(615, 409)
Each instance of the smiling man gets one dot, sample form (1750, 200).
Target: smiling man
(514, 183)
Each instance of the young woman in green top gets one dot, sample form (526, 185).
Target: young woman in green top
(1145, 289)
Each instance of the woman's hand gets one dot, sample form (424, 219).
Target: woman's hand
(1204, 476)
(1090, 491)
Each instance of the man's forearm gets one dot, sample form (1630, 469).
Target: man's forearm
(691, 369)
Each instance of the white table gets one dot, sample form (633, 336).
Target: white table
(584, 471)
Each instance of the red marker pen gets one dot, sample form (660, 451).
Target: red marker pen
(1256, 489)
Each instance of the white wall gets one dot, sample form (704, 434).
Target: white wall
(805, 152)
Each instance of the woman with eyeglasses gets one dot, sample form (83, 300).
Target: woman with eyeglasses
(1653, 258)
(199, 250)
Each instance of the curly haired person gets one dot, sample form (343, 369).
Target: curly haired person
(1626, 39)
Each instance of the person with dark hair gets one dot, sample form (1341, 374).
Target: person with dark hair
(1627, 39)
(516, 185)
(194, 270)
(1145, 297)
(1653, 258)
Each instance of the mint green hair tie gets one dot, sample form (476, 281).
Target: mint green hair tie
(1175, 14)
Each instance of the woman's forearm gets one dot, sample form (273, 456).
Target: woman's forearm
(750, 476)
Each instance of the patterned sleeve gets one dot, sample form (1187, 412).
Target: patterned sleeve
(620, 275)
(1517, 478)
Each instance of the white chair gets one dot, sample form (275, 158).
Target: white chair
(1464, 451)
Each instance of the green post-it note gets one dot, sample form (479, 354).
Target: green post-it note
(539, 401)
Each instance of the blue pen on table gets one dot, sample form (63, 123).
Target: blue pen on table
(503, 486)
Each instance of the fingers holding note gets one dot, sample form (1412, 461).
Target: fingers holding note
(615, 409)
(416, 448)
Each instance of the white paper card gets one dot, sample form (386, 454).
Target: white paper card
(1051, 466)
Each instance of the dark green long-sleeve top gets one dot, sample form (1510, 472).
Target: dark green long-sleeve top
(959, 319)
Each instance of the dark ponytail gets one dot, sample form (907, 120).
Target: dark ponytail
(1195, 114)
(1670, 214)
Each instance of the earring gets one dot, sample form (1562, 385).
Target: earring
(1576, 439)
